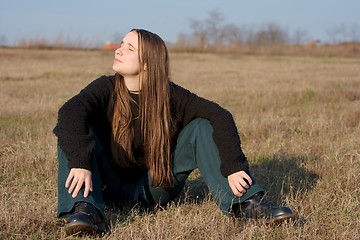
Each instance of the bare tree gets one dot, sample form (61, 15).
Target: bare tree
(213, 26)
(271, 34)
(231, 35)
(199, 33)
(299, 36)
(208, 31)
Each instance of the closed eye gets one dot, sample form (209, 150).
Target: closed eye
(129, 46)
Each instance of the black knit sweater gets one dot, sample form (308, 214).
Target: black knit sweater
(85, 116)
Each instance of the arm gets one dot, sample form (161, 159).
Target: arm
(75, 136)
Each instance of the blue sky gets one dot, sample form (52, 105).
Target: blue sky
(99, 21)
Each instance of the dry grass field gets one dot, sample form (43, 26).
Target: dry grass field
(298, 118)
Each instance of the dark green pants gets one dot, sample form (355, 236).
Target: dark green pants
(195, 149)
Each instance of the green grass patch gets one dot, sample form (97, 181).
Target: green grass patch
(20, 126)
(308, 95)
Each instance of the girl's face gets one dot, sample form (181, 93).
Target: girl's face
(126, 61)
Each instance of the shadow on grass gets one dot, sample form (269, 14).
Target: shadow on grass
(283, 176)
(280, 176)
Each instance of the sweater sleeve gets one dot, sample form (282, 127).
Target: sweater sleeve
(75, 137)
(190, 106)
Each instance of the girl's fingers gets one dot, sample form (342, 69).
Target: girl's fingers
(68, 180)
(73, 185)
(77, 189)
(248, 178)
(88, 187)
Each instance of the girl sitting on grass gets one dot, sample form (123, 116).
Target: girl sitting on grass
(136, 136)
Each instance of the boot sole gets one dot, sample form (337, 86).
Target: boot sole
(275, 220)
(280, 219)
(79, 227)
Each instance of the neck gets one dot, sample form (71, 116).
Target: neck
(133, 83)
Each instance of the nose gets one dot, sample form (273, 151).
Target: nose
(118, 51)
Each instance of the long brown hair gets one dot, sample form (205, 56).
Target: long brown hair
(154, 111)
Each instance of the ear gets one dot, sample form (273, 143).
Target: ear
(145, 67)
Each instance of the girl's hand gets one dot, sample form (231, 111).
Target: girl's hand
(77, 177)
(238, 184)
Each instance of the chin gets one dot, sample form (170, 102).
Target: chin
(115, 69)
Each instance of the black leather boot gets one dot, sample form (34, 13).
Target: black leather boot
(257, 207)
(85, 220)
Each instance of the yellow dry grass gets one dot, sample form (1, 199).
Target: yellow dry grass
(298, 117)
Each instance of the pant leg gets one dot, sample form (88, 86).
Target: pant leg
(107, 185)
(196, 148)
(65, 200)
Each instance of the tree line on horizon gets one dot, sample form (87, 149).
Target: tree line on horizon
(212, 34)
